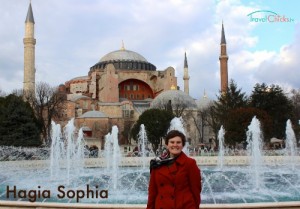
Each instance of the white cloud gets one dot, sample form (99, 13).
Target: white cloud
(72, 35)
(284, 69)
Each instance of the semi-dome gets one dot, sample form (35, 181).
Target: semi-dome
(124, 60)
(178, 99)
(93, 114)
(75, 97)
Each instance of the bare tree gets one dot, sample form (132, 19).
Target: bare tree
(202, 119)
(48, 104)
(198, 122)
(179, 107)
(214, 121)
(128, 124)
(176, 105)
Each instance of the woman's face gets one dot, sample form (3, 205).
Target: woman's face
(175, 146)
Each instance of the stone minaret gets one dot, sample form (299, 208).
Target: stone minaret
(186, 76)
(29, 54)
(223, 63)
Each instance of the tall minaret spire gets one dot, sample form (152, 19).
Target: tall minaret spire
(29, 54)
(223, 62)
(223, 40)
(186, 76)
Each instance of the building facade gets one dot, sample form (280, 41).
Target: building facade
(115, 91)
(118, 88)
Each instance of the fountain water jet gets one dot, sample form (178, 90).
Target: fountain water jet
(112, 148)
(290, 144)
(107, 150)
(254, 149)
(221, 134)
(67, 150)
(177, 124)
(142, 144)
(56, 149)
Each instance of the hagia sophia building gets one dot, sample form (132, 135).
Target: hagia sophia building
(118, 88)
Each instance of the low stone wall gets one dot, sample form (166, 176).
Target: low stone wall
(27, 205)
(138, 161)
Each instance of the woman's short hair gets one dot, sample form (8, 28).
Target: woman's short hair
(173, 133)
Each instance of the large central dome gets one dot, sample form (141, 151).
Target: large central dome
(124, 60)
(123, 55)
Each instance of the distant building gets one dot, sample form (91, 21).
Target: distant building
(117, 89)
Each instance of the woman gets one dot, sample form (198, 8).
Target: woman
(175, 180)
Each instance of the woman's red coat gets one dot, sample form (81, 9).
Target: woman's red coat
(175, 186)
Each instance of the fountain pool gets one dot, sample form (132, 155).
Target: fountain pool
(240, 182)
(231, 184)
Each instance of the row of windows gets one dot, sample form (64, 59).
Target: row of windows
(126, 65)
(134, 65)
(136, 96)
(133, 87)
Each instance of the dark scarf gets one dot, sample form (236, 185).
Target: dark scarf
(160, 161)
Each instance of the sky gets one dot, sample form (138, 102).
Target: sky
(73, 35)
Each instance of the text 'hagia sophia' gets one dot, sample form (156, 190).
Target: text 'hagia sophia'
(118, 88)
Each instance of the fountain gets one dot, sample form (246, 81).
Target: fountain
(108, 150)
(254, 148)
(143, 144)
(97, 185)
(112, 149)
(56, 148)
(67, 151)
(177, 124)
(290, 144)
(221, 134)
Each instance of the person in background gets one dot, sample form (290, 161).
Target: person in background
(175, 179)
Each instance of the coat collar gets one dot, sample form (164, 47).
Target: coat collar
(173, 168)
(181, 158)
